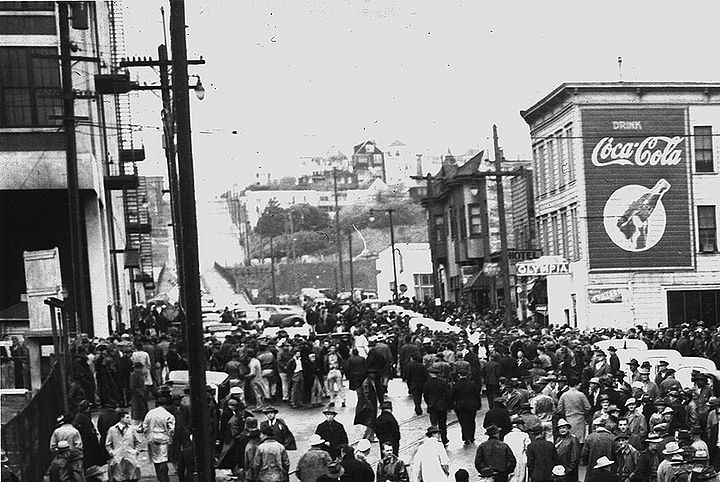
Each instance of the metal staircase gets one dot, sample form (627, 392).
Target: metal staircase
(137, 219)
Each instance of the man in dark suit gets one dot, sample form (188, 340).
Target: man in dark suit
(498, 416)
(466, 399)
(387, 428)
(416, 378)
(541, 457)
(332, 432)
(437, 399)
(495, 454)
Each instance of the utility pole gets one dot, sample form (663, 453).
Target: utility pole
(202, 442)
(272, 268)
(169, 136)
(338, 241)
(392, 246)
(78, 307)
(504, 262)
(350, 260)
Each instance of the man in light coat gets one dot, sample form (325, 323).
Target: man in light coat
(271, 462)
(431, 461)
(159, 427)
(574, 406)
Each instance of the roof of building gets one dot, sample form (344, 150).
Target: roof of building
(567, 88)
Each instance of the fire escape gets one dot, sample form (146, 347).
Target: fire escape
(123, 175)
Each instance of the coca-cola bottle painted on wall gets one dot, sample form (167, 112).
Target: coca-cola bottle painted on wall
(634, 221)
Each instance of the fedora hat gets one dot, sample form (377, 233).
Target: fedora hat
(701, 454)
(672, 448)
(630, 400)
(315, 439)
(431, 430)
(603, 462)
(654, 438)
(330, 409)
(492, 430)
(335, 469)
(677, 459)
(487, 472)
(270, 410)
(563, 423)
(364, 445)
(558, 471)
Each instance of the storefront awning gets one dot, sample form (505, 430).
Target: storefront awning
(478, 281)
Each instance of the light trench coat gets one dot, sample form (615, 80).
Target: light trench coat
(428, 462)
(518, 442)
(122, 443)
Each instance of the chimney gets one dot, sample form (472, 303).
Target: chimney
(418, 165)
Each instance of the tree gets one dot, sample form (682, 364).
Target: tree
(308, 218)
(272, 220)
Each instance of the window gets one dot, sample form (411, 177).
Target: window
(569, 159)
(453, 223)
(545, 236)
(707, 229)
(424, 286)
(575, 233)
(551, 164)
(475, 219)
(542, 187)
(29, 87)
(463, 223)
(440, 228)
(377, 159)
(703, 149)
(563, 235)
(554, 238)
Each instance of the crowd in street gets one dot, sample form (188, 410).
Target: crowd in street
(555, 403)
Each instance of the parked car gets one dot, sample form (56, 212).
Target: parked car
(291, 325)
(220, 381)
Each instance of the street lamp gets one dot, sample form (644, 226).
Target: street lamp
(198, 88)
(392, 247)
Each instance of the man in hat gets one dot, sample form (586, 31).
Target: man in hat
(159, 427)
(334, 473)
(614, 361)
(602, 471)
(499, 416)
(626, 456)
(417, 375)
(390, 468)
(598, 444)
(437, 398)
(568, 450)
(713, 427)
(574, 407)
(431, 461)
(518, 440)
(633, 366)
(66, 431)
(271, 461)
(662, 372)
(280, 430)
(332, 431)
(541, 456)
(496, 454)
(665, 468)
(360, 469)
(387, 428)
(636, 424)
(367, 404)
(93, 453)
(648, 460)
(65, 466)
(467, 400)
(313, 463)
(247, 447)
(648, 387)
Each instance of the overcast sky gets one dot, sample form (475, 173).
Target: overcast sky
(298, 78)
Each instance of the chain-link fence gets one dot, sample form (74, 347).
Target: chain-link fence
(26, 437)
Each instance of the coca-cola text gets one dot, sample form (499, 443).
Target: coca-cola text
(651, 151)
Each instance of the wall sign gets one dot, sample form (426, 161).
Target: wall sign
(636, 174)
(612, 295)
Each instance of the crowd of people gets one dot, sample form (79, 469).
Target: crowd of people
(557, 406)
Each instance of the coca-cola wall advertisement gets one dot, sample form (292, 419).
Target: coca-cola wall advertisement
(636, 171)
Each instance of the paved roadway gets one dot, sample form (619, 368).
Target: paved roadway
(412, 428)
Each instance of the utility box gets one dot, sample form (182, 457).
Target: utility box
(42, 280)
